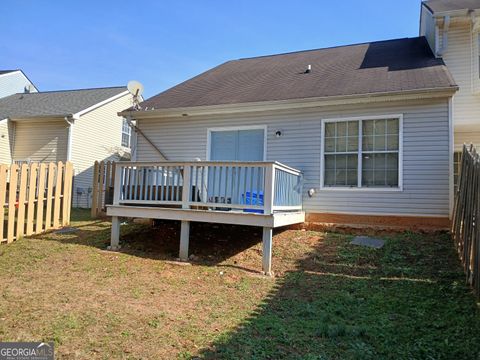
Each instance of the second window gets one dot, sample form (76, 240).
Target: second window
(362, 153)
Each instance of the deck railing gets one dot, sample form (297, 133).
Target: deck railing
(256, 187)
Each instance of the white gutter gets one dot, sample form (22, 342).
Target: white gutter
(291, 104)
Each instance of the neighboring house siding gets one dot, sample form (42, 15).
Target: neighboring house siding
(97, 135)
(460, 60)
(6, 141)
(427, 27)
(425, 166)
(42, 141)
(13, 83)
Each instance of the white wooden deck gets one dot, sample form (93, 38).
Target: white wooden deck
(265, 194)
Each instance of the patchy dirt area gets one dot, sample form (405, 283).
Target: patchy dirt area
(329, 299)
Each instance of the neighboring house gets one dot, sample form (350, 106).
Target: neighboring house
(452, 28)
(369, 125)
(15, 81)
(80, 126)
(11, 82)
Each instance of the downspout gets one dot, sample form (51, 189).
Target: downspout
(138, 131)
(70, 119)
(12, 145)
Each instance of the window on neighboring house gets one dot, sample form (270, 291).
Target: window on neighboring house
(362, 153)
(126, 133)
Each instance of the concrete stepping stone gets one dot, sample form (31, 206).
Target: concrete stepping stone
(367, 241)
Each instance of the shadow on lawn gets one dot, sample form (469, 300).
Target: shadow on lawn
(210, 244)
(406, 301)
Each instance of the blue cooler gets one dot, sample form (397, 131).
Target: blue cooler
(250, 198)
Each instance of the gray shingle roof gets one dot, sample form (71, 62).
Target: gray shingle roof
(378, 67)
(54, 103)
(452, 5)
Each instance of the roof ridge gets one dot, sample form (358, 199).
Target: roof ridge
(329, 47)
(71, 90)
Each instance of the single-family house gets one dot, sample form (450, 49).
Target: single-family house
(357, 134)
(80, 126)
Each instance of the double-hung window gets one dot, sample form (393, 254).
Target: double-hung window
(362, 153)
(126, 133)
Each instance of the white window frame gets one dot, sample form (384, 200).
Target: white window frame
(236, 128)
(359, 173)
(124, 133)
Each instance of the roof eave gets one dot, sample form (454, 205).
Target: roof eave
(41, 117)
(292, 103)
(454, 13)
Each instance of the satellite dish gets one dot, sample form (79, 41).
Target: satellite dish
(135, 88)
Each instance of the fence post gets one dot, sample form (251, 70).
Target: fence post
(101, 185)
(12, 199)
(108, 178)
(95, 190)
(67, 193)
(3, 194)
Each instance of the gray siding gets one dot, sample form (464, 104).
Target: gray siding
(425, 153)
(12, 83)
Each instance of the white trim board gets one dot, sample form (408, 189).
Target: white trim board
(101, 103)
(290, 104)
(359, 188)
(236, 128)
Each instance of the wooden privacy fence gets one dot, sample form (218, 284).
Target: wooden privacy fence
(466, 217)
(34, 198)
(102, 189)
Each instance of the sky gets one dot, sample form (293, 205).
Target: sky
(84, 44)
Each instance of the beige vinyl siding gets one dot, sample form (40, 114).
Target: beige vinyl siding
(41, 141)
(6, 141)
(461, 58)
(97, 135)
(425, 153)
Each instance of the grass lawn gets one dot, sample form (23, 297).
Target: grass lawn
(329, 299)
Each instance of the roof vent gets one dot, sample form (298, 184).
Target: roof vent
(309, 69)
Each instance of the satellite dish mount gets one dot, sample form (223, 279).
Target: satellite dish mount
(136, 89)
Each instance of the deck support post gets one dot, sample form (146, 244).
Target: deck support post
(267, 251)
(184, 240)
(115, 236)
